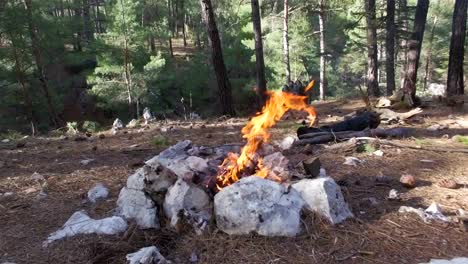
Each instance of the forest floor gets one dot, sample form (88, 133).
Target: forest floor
(379, 234)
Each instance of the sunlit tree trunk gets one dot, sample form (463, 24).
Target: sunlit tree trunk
(390, 47)
(259, 62)
(286, 41)
(428, 68)
(455, 85)
(224, 86)
(323, 57)
(414, 50)
(372, 78)
(127, 70)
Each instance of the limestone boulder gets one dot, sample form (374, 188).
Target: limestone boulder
(257, 205)
(323, 196)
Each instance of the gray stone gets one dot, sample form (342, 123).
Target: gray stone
(99, 191)
(146, 255)
(81, 223)
(135, 204)
(323, 196)
(118, 124)
(190, 200)
(277, 165)
(196, 163)
(147, 115)
(253, 204)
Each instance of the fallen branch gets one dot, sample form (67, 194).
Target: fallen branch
(323, 137)
(428, 148)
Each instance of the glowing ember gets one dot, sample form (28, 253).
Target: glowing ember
(256, 132)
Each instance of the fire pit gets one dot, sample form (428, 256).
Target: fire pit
(250, 188)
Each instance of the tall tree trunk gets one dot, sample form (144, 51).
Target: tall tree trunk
(402, 44)
(286, 41)
(39, 63)
(323, 57)
(20, 77)
(428, 68)
(390, 47)
(414, 50)
(260, 64)
(127, 71)
(171, 28)
(87, 25)
(184, 16)
(224, 85)
(455, 85)
(372, 83)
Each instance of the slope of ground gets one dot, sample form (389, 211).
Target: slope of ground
(379, 234)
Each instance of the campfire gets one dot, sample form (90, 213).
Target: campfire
(244, 189)
(256, 132)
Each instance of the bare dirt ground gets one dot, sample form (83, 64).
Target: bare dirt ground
(379, 234)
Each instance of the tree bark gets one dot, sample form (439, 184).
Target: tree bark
(323, 58)
(390, 47)
(39, 63)
(171, 28)
(88, 28)
(455, 85)
(20, 77)
(372, 71)
(286, 41)
(127, 71)
(224, 86)
(427, 68)
(259, 61)
(403, 22)
(414, 50)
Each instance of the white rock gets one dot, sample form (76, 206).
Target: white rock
(147, 115)
(352, 161)
(98, 191)
(287, 142)
(323, 196)
(393, 195)
(434, 212)
(136, 181)
(86, 161)
(378, 153)
(190, 199)
(253, 204)
(135, 204)
(146, 255)
(81, 223)
(459, 260)
(37, 177)
(277, 165)
(118, 124)
(6, 140)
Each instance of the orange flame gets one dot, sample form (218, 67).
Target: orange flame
(309, 86)
(256, 132)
